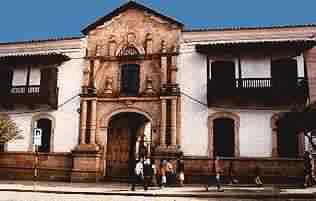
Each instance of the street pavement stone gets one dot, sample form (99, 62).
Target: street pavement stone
(60, 191)
(35, 196)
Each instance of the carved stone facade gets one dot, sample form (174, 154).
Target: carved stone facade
(132, 38)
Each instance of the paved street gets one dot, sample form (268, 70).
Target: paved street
(32, 196)
(60, 191)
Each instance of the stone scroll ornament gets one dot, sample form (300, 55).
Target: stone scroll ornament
(108, 86)
(149, 86)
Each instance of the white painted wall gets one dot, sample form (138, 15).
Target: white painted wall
(67, 117)
(66, 132)
(19, 77)
(300, 66)
(35, 76)
(255, 133)
(255, 67)
(192, 80)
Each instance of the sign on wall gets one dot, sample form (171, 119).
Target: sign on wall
(37, 137)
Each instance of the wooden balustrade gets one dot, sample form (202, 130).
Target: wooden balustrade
(257, 91)
(30, 95)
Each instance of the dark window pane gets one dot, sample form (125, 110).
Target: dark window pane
(2, 147)
(130, 79)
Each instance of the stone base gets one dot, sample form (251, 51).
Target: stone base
(167, 152)
(86, 164)
(86, 148)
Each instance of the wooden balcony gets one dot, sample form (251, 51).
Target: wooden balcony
(257, 92)
(31, 95)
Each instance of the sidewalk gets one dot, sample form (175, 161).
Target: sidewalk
(187, 191)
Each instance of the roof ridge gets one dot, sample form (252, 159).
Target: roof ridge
(236, 28)
(42, 40)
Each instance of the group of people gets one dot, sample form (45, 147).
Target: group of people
(165, 174)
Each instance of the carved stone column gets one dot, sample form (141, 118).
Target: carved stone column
(163, 122)
(93, 122)
(95, 67)
(163, 70)
(174, 69)
(83, 122)
(274, 144)
(164, 64)
(174, 122)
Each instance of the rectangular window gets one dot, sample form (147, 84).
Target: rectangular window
(2, 147)
(130, 80)
(5, 81)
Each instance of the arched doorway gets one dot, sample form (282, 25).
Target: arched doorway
(46, 126)
(224, 137)
(129, 138)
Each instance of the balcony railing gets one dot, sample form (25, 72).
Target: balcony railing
(25, 90)
(30, 95)
(257, 91)
(248, 83)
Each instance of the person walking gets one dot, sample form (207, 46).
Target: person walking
(162, 173)
(180, 169)
(218, 172)
(138, 177)
(308, 169)
(170, 173)
(148, 172)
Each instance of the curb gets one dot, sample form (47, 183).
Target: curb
(174, 195)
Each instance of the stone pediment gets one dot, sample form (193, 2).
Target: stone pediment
(130, 5)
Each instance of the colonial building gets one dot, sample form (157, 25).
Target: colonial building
(139, 84)
(37, 78)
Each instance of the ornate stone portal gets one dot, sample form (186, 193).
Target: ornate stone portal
(130, 60)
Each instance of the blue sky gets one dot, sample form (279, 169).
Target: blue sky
(41, 19)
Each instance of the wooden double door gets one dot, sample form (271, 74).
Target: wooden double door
(121, 144)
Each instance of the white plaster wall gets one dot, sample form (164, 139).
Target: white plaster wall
(35, 76)
(255, 67)
(66, 132)
(67, 118)
(300, 66)
(192, 80)
(255, 131)
(19, 77)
